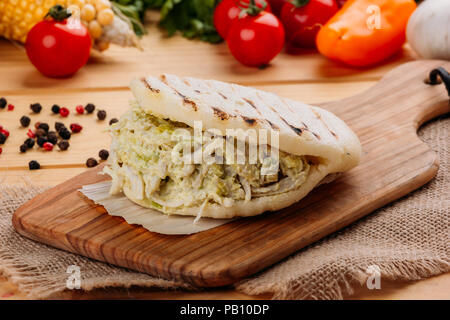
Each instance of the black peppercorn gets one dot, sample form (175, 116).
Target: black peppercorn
(91, 162)
(63, 145)
(25, 121)
(90, 107)
(52, 137)
(65, 134)
(40, 141)
(34, 165)
(55, 109)
(112, 121)
(3, 103)
(44, 127)
(36, 107)
(101, 114)
(40, 133)
(29, 143)
(103, 154)
(2, 138)
(23, 148)
(59, 126)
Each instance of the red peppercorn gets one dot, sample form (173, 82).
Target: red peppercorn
(64, 112)
(31, 134)
(1, 150)
(79, 109)
(1, 127)
(5, 132)
(10, 107)
(75, 127)
(48, 146)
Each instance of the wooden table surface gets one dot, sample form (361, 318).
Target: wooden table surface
(104, 81)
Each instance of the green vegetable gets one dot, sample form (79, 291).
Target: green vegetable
(192, 18)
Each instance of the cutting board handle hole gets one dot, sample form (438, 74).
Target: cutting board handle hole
(437, 76)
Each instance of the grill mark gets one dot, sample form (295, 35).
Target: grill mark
(273, 125)
(186, 82)
(324, 123)
(316, 135)
(297, 131)
(198, 91)
(221, 114)
(185, 99)
(250, 102)
(250, 121)
(148, 86)
(223, 96)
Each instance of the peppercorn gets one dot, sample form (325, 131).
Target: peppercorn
(29, 143)
(31, 134)
(75, 127)
(40, 133)
(25, 121)
(101, 114)
(48, 146)
(79, 109)
(103, 154)
(36, 125)
(63, 145)
(3, 103)
(90, 107)
(40, 141)
(36, 107)
(55, 109)
(112, 121)
(34, 165)
(1, 150)
(65, 134)
(64, 112)
(91, 162)
(2, 138)
(52, 137)
(23, 148)
(5, 132)
(10, 107)
(44, 126)
(59, 126)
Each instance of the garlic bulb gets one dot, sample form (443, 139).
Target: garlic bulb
(428, 30)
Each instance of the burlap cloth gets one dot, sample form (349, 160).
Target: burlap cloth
(407, 240)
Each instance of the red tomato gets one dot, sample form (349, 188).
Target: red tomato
(256, 40)
(276, 6)
(228, 10)
(58, 48)
(303, 22)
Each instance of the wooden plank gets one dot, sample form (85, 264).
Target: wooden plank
(395, 162)
(94, 136)
(176, 55)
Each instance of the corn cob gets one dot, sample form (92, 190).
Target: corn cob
(17, 17)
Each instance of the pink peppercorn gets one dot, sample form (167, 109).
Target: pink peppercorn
(79, 109)
(31, 134)
(5, 132)
(64, 112)
(48, 146)
(10, 107)
(75, 127)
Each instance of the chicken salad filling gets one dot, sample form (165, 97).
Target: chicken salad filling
(142, 162)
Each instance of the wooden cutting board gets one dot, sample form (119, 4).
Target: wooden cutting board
(395, 162)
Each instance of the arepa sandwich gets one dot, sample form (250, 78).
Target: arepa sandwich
(298, 147)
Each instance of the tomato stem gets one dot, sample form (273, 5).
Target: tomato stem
(58, 13)
(253, 9)
(299, 3)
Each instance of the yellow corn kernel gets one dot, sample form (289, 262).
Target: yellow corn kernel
(95, 29)
(88, 12)
(17, 17)
(105, 17)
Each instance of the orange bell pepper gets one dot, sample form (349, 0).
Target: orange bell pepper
(365, 32)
